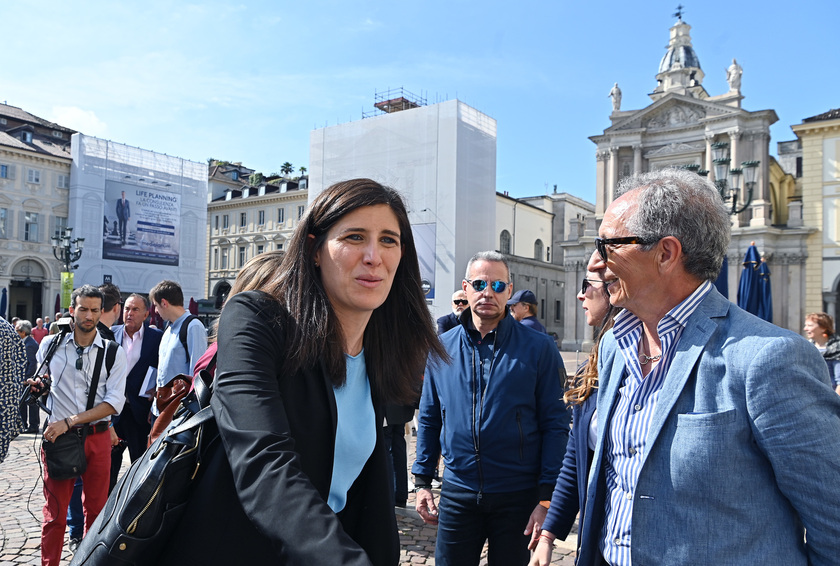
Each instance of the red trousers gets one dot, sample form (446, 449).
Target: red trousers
(58, 492)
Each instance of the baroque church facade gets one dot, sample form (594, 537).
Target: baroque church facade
(685, 126)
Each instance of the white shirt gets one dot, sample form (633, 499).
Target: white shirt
(132, 346)
(70, 387)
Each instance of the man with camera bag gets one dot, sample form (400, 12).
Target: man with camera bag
(78, 361)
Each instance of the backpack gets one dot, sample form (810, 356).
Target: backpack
(182, 334)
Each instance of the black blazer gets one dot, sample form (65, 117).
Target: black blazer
(262, 498)
(140, 405)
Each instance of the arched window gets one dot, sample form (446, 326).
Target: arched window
(504, 242)
(538, 250)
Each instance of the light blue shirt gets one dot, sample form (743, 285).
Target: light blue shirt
(355, 434)
(627, 430)
(172, 359)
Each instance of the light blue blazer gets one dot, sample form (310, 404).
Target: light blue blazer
(743, 454)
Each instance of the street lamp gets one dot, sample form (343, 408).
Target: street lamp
(729, 191)
(67, 250)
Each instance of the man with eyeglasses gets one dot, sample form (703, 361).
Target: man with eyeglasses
(449, 321)
(718, 434)
(495, 414)
(71, 371)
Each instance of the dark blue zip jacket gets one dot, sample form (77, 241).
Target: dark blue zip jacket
(516, 438)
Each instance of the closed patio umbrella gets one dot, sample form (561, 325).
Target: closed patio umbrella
(748, 292)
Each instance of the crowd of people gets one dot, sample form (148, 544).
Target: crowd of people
(691, 429)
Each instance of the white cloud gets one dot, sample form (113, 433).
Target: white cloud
(84, 121)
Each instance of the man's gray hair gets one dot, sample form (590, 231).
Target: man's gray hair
(489, 255)
(682, 204)
(24, 326)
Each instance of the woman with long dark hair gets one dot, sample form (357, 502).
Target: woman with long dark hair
(569, 494)
(303, 370)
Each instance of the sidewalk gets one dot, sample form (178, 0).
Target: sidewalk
(21, 501)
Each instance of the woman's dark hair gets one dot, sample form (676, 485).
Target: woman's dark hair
(399, 335)
(582, 383)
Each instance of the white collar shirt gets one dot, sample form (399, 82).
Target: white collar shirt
(69, 390)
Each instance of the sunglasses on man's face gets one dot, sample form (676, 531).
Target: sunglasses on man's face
(480, 285)
(461, 302)
(602, 243)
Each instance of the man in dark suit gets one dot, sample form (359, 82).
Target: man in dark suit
(140, 343)
(450, 321)
(123, 215)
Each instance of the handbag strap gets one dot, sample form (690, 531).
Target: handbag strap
(94, 383)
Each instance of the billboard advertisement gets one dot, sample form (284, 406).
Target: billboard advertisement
(140, 224)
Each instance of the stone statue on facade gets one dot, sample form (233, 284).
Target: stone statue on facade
(733, 76)
(615, 94)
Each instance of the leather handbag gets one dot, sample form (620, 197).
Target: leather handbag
(150, 498)
(65, 456)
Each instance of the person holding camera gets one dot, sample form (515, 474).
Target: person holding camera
(68, 378)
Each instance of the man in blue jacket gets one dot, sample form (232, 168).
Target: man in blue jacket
(495, 414)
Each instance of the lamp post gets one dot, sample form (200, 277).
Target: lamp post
(67, 250)
(730, 191)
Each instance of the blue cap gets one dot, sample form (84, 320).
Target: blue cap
(523, 296)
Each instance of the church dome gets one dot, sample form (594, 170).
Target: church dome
(679, 56)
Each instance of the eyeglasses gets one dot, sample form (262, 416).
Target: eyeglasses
(480, 285)
(79, 361)
(587, 283)
(461, 302)
(602, 243)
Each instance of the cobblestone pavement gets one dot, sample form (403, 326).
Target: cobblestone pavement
(21, 501)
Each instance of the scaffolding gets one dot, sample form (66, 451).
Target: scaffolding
(394, 100)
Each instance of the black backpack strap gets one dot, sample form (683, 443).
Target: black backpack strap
(110, 355)
(182, 334)
(94, 383)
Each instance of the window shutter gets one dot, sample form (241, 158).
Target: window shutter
(12, 168)
(21, 224)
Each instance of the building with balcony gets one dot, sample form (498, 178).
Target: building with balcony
(34, 194)
(245, 220)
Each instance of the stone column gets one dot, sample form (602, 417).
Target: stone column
(734, 148)
(601, 187)
(637, 158)
(613, 174)
(761, 192)
(830, 302)
(709, 166)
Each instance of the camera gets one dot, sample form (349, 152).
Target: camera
(30, 397)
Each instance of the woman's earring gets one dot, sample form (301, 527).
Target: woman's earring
(317, 264)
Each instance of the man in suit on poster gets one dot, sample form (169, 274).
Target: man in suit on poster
(123, 216)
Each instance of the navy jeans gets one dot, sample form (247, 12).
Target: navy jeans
(467, 519)
(75, 512)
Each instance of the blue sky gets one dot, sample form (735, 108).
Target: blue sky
(249, 81)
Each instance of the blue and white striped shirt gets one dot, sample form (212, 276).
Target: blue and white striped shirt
(627, 430)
